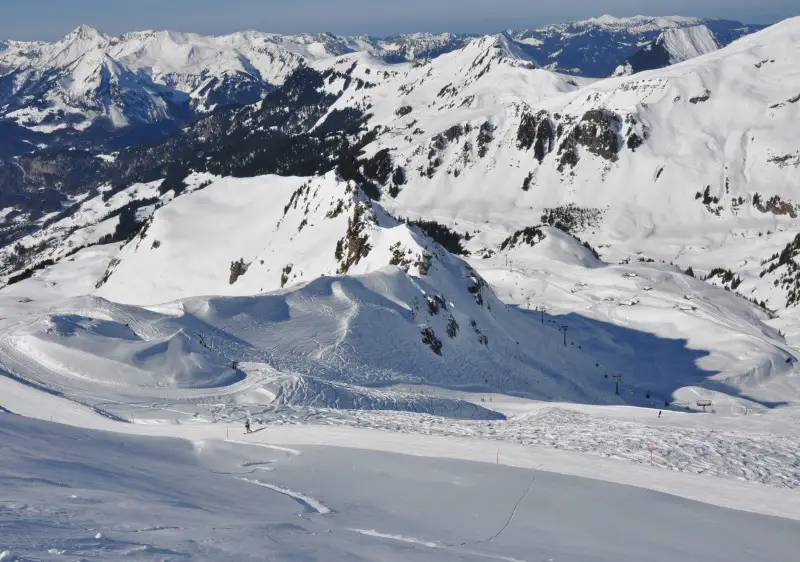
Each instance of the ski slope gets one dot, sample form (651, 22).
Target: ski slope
(216, 499)
(311, 353)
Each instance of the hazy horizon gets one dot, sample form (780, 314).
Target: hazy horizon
(49, 20)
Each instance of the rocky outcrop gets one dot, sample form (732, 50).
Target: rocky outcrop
(598, 132)
(355, 244)
(537, 132)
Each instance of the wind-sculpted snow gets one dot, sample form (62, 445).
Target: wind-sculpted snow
(68, 342)
(123, 354)
(323, 282)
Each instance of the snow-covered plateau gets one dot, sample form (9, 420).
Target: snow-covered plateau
(459, 308)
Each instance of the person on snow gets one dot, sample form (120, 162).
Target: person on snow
(247, 426)
(659, 413)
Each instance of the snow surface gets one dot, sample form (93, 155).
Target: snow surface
(689, 42)
(306, 308)
(94, 494)
(313, 346)
(714, 124)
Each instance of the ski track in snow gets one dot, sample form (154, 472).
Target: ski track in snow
(513, 511)
(376, 534)
(287, 450)
(433, 545)
(307, 501)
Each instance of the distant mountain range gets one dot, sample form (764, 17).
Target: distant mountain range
(90, 90)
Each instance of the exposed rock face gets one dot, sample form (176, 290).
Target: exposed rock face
(485, 137)
(238, 268)
(598, 131)
(536, 131)
(701, 99)
(526, 134)
(545, 139)
(355, 245)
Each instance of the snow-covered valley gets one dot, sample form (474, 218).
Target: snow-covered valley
(472, 309)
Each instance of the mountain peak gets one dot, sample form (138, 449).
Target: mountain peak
(504, 47)
(607, 19)
(84, 31)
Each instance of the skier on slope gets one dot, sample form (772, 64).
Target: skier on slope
(659, 413)
(247, 426)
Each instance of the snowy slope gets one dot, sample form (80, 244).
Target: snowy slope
(671, 47)
(71, 492)
(691, 164)
(689, 42)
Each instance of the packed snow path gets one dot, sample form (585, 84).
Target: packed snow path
(88, 494)
(763, 449)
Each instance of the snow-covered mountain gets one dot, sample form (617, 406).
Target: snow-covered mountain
(671, 47)
(391, 288)
(688, 168)
(595, 47)
(88, 81)
(91, 87)
(320, 292)
(89, 90)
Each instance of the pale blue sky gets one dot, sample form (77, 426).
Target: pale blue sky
(50, 19)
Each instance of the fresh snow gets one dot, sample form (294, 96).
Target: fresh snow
(405, 401)
(92, 80)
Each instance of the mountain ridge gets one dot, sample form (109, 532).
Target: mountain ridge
(89, 89)
(672, 46)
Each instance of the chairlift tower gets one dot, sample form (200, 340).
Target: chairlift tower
(617, 378)
(564, 329)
